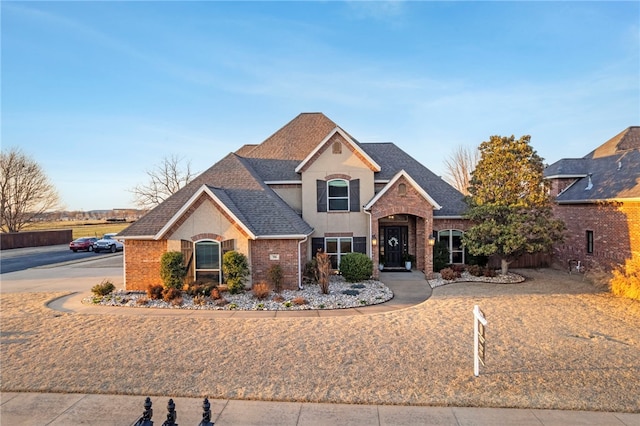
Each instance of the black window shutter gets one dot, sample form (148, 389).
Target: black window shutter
(360, 245)
(316, 244)
(321, 191)
(354, 195)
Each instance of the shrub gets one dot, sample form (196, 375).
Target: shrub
(142, 301)
(215, 294)
(169, 294)
(350, 292)
(489, 272)
(324, 269)
(278, 298)
(356, 267)
(275, 277)
(475, 270)
(172, 271)
(458, 268)
(440, 256)
(176, 301)
(200, 300)
(104, 288)
(299, 301)
(221, 302)
(200, 288)
(626, 279)
(235, 269)
(261, 290)
(449, 274)
(154, 292)
(311, 271)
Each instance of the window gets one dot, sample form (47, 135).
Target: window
(338, 199)
(453, 239)
(208, 260)
(336, 248)
(589, 242)
(402, 189)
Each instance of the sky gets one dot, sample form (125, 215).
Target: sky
(98, 93)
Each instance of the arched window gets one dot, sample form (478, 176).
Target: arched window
(453, 239)
(338, 191)
(207, 264)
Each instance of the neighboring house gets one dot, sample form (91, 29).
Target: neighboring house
(310, 186)
(598, 198)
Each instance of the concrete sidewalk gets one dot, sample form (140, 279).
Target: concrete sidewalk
(82, 409)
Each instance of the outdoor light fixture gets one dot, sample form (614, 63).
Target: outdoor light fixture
(432, 241)
(374, 240)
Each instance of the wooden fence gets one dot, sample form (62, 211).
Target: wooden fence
(11, 240)
(535, 260)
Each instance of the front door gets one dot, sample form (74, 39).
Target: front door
(394, 240)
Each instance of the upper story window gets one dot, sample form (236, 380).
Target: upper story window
(338, 195)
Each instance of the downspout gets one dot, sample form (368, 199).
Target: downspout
(306, 238)
(370, 225)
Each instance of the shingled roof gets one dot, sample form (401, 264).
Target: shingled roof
(243, 192)
(238, 181)
(609, 172)
(392, 159)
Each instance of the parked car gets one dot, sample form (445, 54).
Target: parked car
(108, 243)
(84, 243)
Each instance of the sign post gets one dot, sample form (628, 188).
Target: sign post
(479, 342)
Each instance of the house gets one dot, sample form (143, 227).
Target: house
(598, 198)
(310, 186)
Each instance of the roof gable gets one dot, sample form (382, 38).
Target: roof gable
(610, 172)
(231, 183)
(220, 204)
(295, 140)
(412, 182)
(348, 141)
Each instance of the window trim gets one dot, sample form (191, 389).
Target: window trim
(197, 270)
(450, 245)
(589, 241)
(330, 198)
(339, 253)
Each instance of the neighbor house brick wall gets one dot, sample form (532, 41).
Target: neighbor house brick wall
(142, 263)
(616, 232)
(287, 250)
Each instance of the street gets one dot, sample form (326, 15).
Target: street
(32, 257)
(79, 272)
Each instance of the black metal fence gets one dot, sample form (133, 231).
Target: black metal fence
(172, 415)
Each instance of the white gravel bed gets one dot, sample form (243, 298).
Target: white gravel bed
(509, 278)
(365, 293)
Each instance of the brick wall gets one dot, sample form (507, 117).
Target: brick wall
(616, 232)
(407, 201)
(142, 263)
(287, 250)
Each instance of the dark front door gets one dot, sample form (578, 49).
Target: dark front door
(395, 240)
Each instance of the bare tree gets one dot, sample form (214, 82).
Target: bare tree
(459, 167)
(164, 180)
(25, 191)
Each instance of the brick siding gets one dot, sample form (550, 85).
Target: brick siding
(616, 232)
(142, 263)
(395, 202)
(288, 261)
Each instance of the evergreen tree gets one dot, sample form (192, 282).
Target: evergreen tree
(509, 203)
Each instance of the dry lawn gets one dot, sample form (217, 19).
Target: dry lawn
(553, 342)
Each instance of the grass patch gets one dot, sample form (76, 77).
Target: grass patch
(92, 228)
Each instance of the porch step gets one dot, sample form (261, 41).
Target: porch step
(395, 269)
